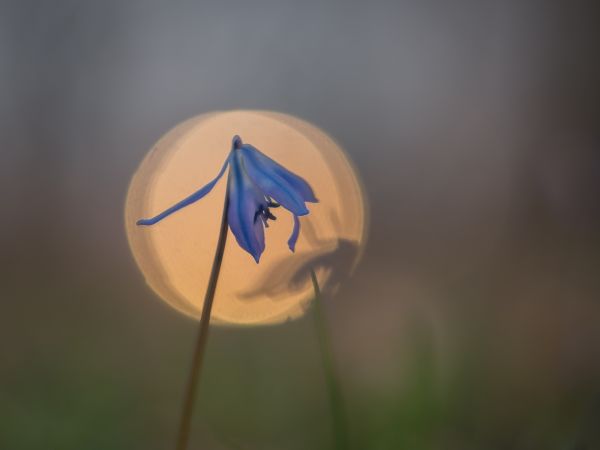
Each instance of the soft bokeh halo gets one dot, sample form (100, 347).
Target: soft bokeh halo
(176, 254)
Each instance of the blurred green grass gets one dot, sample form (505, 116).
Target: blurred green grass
(95, 366)
(88, 387)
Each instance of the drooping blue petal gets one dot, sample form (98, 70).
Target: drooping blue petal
(298, 183)
(295, 233)
(245, 199)
(255, 184)
(271, 182)
(186, 201)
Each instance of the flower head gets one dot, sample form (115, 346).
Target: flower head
(255, 185)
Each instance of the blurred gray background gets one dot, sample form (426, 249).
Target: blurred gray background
(473, 320)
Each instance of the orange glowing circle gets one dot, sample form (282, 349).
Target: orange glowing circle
(176, 254)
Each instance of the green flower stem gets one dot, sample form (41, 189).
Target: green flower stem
(338, 413)
(198, 357)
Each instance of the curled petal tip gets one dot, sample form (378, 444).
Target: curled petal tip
(143, 222)
(295, 232)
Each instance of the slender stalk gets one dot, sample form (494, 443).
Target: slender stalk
(336, 400)
(198, 357)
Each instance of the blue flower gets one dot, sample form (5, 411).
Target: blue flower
(255, 184)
